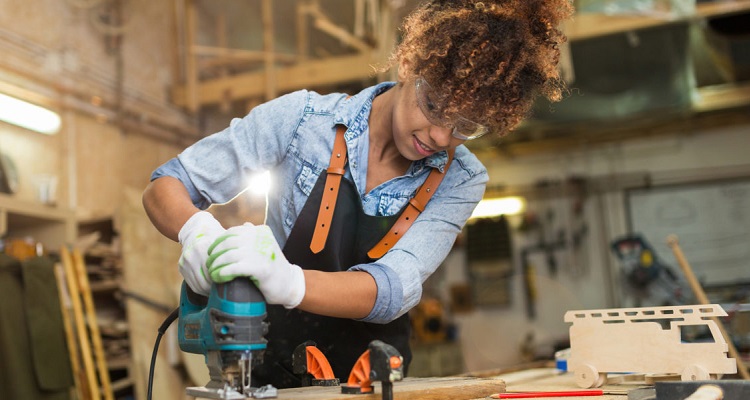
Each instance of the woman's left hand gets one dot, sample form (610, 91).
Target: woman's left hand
(252, 251)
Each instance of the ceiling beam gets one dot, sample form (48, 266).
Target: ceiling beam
(312, 73)
(269, 44)
(585, 25)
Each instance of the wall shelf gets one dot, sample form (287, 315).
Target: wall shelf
(49, 225)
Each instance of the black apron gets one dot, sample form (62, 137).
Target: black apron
(352, 234)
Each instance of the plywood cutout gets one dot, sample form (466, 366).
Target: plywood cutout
(646, 340)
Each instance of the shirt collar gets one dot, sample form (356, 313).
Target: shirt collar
(355, 111)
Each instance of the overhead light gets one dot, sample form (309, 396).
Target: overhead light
(499, 206)
(259, 183)
(29, 116)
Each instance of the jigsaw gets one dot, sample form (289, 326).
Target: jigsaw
(228, 328)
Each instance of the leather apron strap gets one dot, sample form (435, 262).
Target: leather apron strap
(413, 209)
(333, 180)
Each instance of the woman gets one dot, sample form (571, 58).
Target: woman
(359, 236)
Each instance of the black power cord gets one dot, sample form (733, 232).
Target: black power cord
(162, 329)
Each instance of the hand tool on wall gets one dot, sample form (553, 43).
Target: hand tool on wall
(529, 284)
(381, 362)
(227, 327)
(309, 361)
(703, 299)
(643, 267)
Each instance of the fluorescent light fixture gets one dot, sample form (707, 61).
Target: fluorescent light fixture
(29, 116)
(259, 183)
(499, 206)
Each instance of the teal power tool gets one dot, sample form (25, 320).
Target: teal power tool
(227, 327)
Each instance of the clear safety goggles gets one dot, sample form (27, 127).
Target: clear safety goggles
(463, 128)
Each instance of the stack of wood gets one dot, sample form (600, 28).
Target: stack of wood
(84, 340)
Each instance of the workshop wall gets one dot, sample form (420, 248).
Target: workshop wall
(497, 337)
(108, 161)
(34, 158)
(64, 53)
(72, 37)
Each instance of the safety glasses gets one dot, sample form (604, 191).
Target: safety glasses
(427, 99)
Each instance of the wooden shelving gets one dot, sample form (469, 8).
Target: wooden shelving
(100, 244)
(51, 226)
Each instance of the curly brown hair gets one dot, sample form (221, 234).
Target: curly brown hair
(489, 60)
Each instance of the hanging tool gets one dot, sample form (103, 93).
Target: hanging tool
(309, 361)
(643, 267)
(529, 272)
(703, 299)
(381, 362)
(228, 328)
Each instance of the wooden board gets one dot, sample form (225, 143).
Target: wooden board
(550, 379)
(454, 388)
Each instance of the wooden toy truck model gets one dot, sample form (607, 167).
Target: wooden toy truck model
(646, 340)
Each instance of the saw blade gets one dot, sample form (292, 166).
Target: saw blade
(226, 394)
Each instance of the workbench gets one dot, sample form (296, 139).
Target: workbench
(551, 379)
(466, 387)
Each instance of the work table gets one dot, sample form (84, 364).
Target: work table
(467, 387)
(551, 379)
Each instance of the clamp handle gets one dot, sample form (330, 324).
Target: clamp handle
(380, 362)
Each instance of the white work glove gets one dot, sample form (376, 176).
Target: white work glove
(252, 251)
(196, 237)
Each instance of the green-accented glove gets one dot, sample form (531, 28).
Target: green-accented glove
(195, 237)
(252, 251)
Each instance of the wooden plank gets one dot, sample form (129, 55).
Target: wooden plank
(268, 47)
(323, 23)
(242, 54)
(313, 73)
(75, 361)
(91, 386)
(90, 310)
(303, 46)
(722, 97)
(589, 25)
(192, 99)
(454, 388)
(673, 242)
(551, 380)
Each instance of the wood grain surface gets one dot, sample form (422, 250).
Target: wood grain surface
(455, 388)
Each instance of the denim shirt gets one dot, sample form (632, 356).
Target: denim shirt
(292, 137)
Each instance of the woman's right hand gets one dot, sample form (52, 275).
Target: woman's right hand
(198, 233)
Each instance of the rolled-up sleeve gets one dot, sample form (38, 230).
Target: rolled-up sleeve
(390, 296)
(174, 169)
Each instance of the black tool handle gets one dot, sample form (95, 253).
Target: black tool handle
(240, 290)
